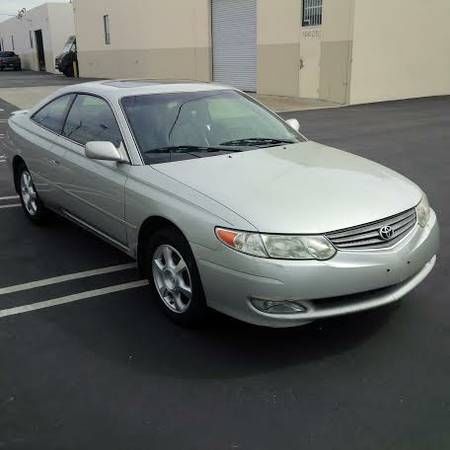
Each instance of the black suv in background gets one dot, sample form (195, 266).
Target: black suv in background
(10, 60)
(64, 62)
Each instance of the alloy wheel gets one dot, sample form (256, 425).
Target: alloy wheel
(28, 193)
(172, 278)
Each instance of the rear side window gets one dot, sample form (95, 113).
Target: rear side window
(91, 119)
(52, 115)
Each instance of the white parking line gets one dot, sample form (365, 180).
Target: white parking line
(72, 298)
(9, 197)
(62, 278)
(14, 205)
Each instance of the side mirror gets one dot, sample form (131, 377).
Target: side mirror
(293, 123)
(103, 151)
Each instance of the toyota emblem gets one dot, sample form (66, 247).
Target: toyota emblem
(386, 233)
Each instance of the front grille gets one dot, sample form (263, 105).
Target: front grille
(368, 235)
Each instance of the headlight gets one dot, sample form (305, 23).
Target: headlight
(423, 211)
(277, 246)
(250, 243)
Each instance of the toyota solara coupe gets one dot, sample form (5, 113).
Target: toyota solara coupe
(223, 204)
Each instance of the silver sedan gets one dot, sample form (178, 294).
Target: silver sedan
(223, 204)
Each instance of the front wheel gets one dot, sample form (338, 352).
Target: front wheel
(31, 203)
(174, 279)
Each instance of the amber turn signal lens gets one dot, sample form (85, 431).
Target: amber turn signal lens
(226, 236)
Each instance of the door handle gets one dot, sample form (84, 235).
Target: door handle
(53, 162)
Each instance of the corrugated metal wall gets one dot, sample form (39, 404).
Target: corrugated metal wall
(234, 43)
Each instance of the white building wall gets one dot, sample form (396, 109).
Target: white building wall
(56, 22)
(61, 26)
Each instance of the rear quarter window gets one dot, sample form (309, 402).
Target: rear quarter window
(52, 115)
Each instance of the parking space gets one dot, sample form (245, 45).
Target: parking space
(87, 360)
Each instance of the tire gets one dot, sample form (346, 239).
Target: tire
(173, 277)
(68, 72)
(32, 205)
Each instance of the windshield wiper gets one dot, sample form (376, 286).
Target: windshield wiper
(192, 148)
(258, 141)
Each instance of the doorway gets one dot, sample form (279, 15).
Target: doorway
(40, 50)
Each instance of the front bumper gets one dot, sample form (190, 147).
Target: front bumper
(9, 65)
(349, 282)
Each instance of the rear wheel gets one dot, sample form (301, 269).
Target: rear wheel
(174, 279)
(32, 205)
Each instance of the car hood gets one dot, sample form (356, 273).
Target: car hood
(298, 188)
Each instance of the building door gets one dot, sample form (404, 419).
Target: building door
(234, 43)
(40, 49)
(335, 71)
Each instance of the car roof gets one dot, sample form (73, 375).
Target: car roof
(116, 89)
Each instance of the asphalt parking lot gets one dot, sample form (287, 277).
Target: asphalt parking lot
(111, 372)
(28, 78)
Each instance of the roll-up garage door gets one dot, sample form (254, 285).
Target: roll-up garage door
(234, 43)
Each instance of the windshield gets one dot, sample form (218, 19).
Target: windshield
(69, 45)
(185, 125)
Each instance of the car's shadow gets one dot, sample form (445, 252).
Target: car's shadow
(130, 330)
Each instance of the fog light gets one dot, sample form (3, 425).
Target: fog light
(278, 307)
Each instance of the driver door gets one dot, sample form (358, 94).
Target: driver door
(94, 189)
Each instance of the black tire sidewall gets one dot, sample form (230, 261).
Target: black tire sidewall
(197, 310)
(69, 72)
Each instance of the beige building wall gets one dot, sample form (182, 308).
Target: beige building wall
(365, 50)
(149, 38)
(335, 50)
(325, 53)
(311, 61)
(278, 58)
(400, 49)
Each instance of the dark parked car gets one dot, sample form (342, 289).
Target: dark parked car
(10, 60)
(64, 62)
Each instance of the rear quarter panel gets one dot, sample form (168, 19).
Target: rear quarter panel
(33, 144)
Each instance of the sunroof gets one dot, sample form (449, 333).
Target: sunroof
(142, 83)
